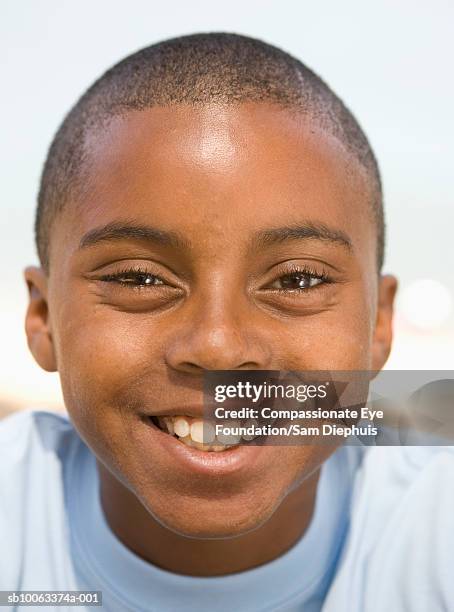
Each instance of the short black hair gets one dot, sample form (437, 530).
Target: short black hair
(196, 69)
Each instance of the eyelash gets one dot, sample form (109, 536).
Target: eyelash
(323, 277)
(134, 272)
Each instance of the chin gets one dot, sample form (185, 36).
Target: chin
(214, 519)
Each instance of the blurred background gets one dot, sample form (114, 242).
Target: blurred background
(391, 62)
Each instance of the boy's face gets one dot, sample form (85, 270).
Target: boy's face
(207, 292)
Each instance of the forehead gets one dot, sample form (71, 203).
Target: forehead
(230, 169)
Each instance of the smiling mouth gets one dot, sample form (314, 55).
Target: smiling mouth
(196, 433)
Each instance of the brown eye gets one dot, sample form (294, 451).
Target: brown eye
(134, 278)
(139, 279)
(296, 281)
(138, 289)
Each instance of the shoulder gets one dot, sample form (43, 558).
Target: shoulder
(415, 554)
(27, 419)
(401, 534)
(390, 473)
(34, 442)
(38, 427)
(347, 461)
(395, 480)
(37, 448)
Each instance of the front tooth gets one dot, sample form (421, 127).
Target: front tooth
(181, 427)
(197, 431)
(251, 423)
(229, 439)
(209, 432)
(202, 432)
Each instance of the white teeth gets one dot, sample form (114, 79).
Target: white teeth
(250, 423)
(198, 433)
(181, 427)
(209, 432)
(201, 432)
(225, 438)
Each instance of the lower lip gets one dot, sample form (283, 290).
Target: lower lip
(210, 463)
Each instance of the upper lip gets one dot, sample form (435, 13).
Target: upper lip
(184, 410)
(198, 411)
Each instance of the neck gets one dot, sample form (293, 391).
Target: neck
(136, 528)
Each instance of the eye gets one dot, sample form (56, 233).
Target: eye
(133, 278)
(298, 280)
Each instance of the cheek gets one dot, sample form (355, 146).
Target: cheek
(328, 342)
(101, 356)
(96, 350)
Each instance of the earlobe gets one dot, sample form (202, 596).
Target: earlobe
(37, 324)
(383, 333)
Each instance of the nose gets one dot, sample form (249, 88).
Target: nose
(217, 337)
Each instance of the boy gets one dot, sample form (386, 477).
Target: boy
(208, 204)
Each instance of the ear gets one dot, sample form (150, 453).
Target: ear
(39, 336)
(383, 333)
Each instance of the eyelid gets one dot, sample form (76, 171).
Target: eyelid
(302, 269)
(126, 264)
(113, 277)
(306, 261)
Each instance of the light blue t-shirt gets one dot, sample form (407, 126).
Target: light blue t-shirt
(399, 552)
(54, 535)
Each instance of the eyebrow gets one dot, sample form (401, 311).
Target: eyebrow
(124, 231)
(306, 231)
